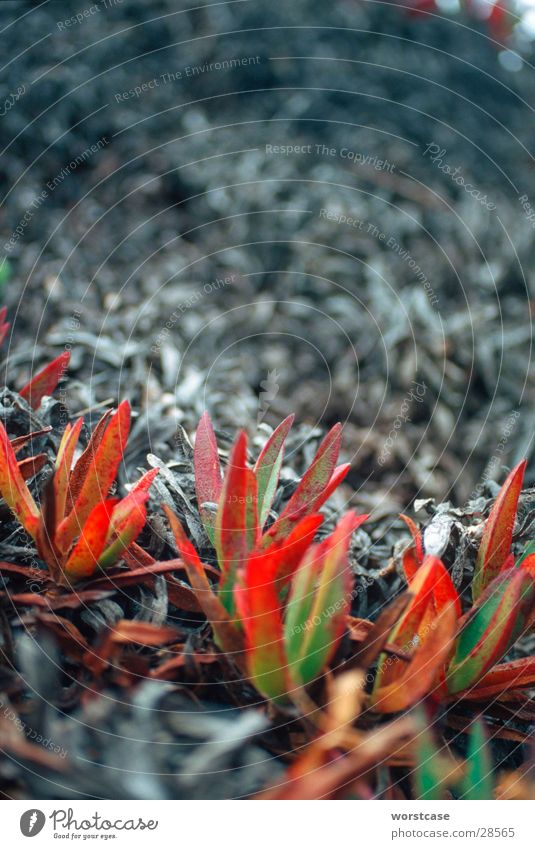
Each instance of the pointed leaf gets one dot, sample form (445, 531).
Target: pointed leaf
(267, 468)
(319, 602)
(45, 381)
(145, 482)
(428, 770)
(498, 534)
(29, 467)
(416, 536)
(135, 556)
(414, 555)
(491, 627)
(378, 634)
(208, 477)
(127, 521)
(83, 560)
(339, 474)
(20, 441)
(226, 634)
(308, 496)
(478, 783)
(421, 674)
(100, 475)
(13, 489)
(418, 619)
(231, 520)
(288, 553)
(4, 326)
(252, 525)
(63, 465)
(261, 616)
(46, 530)
(515, 675)
(81, 467)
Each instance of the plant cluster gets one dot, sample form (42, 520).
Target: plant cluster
(282, 599)
(277, 594)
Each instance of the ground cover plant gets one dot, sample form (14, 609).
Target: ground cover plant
(250, 586)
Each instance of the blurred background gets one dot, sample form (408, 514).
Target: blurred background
(260, 208)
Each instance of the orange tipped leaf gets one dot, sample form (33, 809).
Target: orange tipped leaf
(497, 536)
(84, 558)
(101, 473)
(231, 522)
(13, 488)
(45, 381)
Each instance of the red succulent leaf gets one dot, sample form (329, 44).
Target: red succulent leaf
(260, 612)
(46, 531)
(29, 467)
(225, 631)
(100, 474)
(81, 467)
(422, 589)
(319, 602)
(431, 581)
(500, 615)
(315, 485)
(497, 536)
(45, 381)
(251, 510)
(528, 563)
(410, 563)
(4, 326)
(63, 465)
(20, 441)
(377, 636)
(267, 468)
(141, 575)
(289, 552)
(127, 521)
(444, 592)
(145, 481)
(231, 528)
(414, 555)
(13, 488)
(83, 559)
(208, 477)
(502, 679)
(339, 474)
(418, 678)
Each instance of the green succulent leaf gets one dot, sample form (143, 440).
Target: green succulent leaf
(478, 782)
